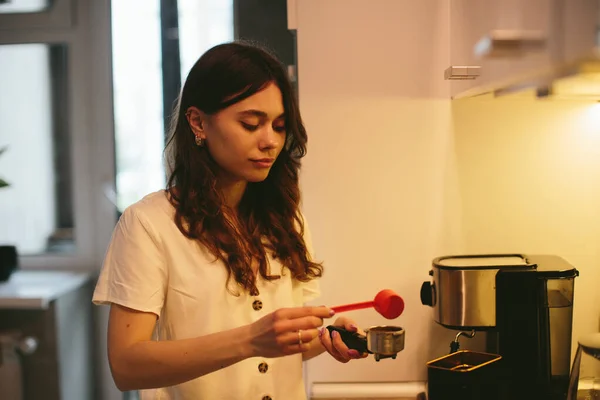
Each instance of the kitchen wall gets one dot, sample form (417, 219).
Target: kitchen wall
(379, 180)
(397, 174)
(529, 181)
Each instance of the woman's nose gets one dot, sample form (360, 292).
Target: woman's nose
(269, 139)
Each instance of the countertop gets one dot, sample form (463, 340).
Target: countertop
(367, 390)
(36, 289)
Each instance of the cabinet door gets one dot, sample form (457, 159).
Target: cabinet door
(581, 26)
(465, 29)
(505, 38)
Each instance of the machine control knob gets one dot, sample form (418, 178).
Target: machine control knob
(427, 294)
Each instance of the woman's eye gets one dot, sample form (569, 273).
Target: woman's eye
(249, 127)
(280, 129)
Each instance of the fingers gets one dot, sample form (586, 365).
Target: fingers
(335, 345)
(291, 344)
(295, 338)
(293, 329)
(343, 349)
(294, 319)
(348, 325)
(327, 342)
(352, 353)
(294, 325)
(308, 335)
(354, 328)
(298, 348)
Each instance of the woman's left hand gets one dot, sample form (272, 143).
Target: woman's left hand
(335, 346)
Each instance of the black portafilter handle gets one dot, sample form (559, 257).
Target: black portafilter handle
(353, 340)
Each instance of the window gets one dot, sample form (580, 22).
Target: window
(137, 91)
(143, 88)
(60, 118)
(36, 208)
(56, 126)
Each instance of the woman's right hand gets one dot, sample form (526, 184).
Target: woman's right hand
(287, 331)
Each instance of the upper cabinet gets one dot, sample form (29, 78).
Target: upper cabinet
(477, 46)
(580, 29)
(493, 42)
(498, 39)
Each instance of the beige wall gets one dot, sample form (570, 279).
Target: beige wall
(529, 179)
(379, 182)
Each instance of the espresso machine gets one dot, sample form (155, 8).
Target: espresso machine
(524, 304)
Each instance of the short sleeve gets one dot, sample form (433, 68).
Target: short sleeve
(134, 273)
(311, 289)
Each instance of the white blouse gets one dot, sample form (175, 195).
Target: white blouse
(150, 266)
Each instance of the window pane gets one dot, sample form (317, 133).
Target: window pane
(202, 25)
(137, 77)
(36, 209)
(137, 99)
(24, 6)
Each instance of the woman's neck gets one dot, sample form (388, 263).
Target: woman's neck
(233, 191)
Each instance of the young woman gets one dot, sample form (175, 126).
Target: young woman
(207, 280)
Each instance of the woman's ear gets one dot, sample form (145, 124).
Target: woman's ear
(196, 120)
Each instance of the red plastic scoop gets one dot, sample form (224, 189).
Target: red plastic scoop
(387, 303)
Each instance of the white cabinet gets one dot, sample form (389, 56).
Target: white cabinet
(50, 312)
(511, 39)
(581, 29)
(504, 38)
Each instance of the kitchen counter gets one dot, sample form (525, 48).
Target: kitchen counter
(368, 391)
(36, 289)
(52, 308)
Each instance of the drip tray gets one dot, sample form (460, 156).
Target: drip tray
(464, 361)
(465, 375)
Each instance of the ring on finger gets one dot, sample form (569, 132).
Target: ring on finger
(300, 337)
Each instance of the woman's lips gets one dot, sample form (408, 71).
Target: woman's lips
(263, 162)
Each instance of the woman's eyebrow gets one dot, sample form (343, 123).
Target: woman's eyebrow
(257, 113)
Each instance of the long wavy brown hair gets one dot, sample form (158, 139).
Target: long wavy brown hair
(268, 214)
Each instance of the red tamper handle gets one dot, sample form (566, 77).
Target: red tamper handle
(387, 303)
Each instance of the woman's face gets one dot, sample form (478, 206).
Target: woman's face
(245, 138)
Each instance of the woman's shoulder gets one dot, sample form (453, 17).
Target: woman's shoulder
(153, 207)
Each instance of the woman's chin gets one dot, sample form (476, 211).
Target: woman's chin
(257, 176)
